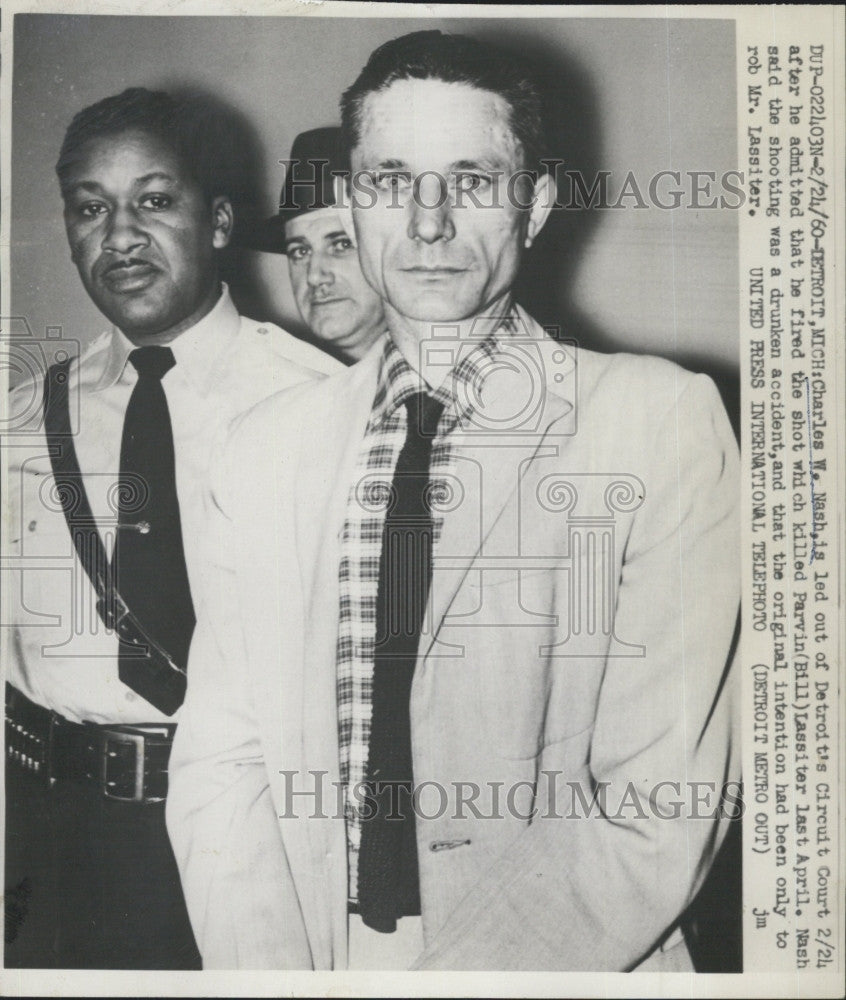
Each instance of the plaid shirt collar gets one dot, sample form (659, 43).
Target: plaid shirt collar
(397, 380)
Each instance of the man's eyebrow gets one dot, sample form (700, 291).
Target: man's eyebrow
(156, 175)
(391, 165)
(292, 240)
(492, 162)
(336, 234)
(91, 187)
(487, 163)
(94, 186)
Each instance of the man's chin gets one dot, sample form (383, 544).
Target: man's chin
(432, 309)
(134, 307)
(447, 301)
(140, 321)
(331, 333)
(439, 312)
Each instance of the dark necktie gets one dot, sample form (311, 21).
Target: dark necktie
(388, 881)
(149, 560)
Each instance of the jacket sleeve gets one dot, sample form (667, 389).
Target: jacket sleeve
(602, 891)
(220, 816)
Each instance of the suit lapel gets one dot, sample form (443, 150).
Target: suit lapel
(490, 460)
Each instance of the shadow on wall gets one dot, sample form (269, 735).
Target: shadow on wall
(546, 281)
(241, 154)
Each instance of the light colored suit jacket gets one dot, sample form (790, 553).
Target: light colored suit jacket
(581, 615)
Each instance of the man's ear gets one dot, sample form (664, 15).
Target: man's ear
(223, 219)
(544, 200)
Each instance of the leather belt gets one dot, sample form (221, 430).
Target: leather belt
(126, 763)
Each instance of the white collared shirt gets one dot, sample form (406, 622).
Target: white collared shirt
(60, 654)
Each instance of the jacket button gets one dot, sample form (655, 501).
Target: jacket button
(447, 845)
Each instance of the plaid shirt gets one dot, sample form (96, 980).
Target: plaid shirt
(361, 545)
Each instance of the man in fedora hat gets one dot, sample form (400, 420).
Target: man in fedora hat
(314, 229)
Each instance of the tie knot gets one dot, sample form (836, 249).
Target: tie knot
(424, 412)
(153, 362)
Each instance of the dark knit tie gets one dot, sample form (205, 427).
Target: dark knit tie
(388, 881)
(149, 559)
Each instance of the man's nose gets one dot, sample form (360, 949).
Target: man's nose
(124, 232)
(431, 212)
(318, 273)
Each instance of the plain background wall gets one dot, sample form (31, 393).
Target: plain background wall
(635, 95)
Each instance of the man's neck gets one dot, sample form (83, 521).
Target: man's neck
(425, 345)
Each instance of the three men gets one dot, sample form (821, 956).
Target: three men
(315, 231)
(107, 519)
(514, 599)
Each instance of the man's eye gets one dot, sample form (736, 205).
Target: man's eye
(91, 209)
(471, 182)
(393, 180)
(297, 253)
(342, 245)
(158, 202)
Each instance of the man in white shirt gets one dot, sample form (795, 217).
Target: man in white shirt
(315, 230)
(90, 718)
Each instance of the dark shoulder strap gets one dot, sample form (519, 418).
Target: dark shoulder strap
(166, 689)
(69, 483)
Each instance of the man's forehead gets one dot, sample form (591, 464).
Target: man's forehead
(135, 150)
(420, 121)
(317, 225)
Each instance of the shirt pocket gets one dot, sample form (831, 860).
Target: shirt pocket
(53, 588)
(48, 571)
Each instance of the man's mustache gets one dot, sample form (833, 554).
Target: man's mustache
(111, 264)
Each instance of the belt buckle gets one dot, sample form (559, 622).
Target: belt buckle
(124, 737)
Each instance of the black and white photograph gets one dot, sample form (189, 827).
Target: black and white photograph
(380, 541)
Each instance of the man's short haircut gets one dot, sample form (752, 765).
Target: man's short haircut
(432, 55)
(187, 125)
